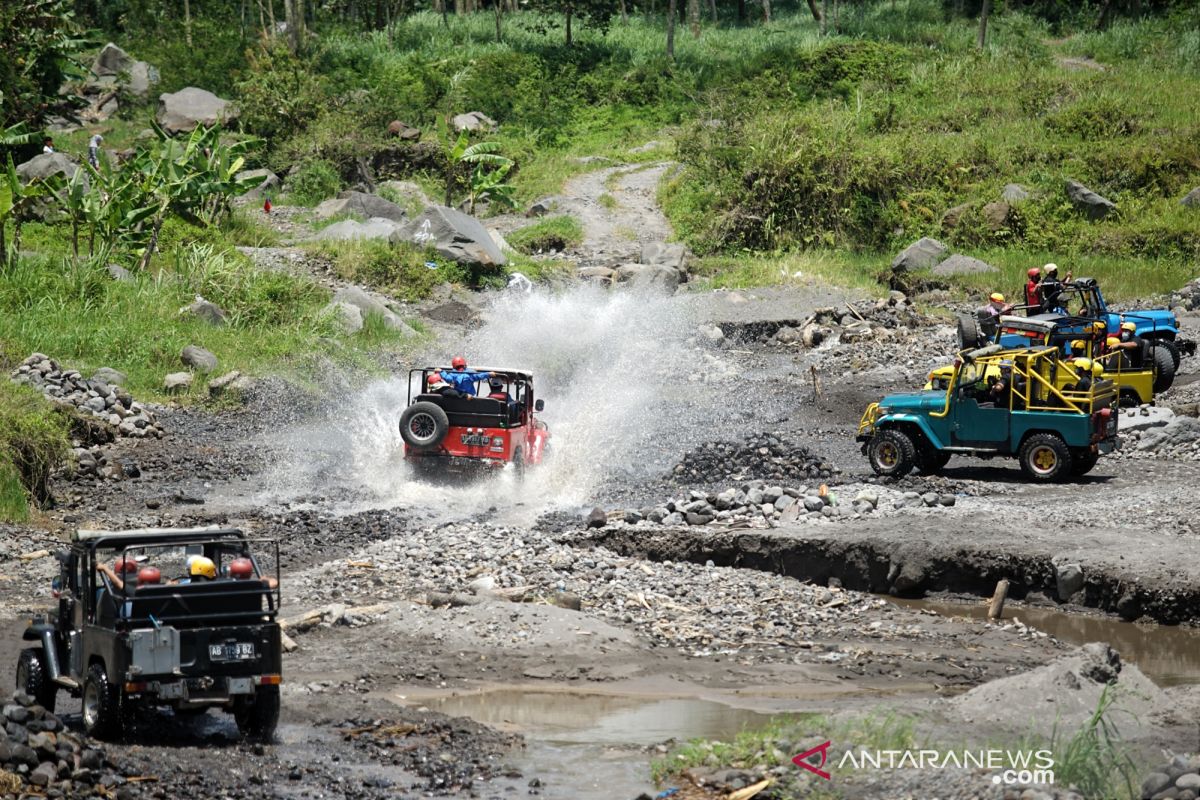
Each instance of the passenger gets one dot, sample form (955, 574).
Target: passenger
(1000, 392)
(1083, 367)
(242, 569)
(435, 384)
(117, 572)
(496, 385)
(1079, 347)
(198, 569)
(462, 380)
(1131, 345)
(1097, 332)
(995, 307)
(149, 576)
(1033, 297)
(1051, 289)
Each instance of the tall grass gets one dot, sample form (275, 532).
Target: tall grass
(34, 441)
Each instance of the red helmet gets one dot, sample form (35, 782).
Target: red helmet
(458, 362)
(148, 576)
(1034, 272)
(124, 566)
(434, 378)
(241, 568)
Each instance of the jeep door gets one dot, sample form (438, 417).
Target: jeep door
(976, 424)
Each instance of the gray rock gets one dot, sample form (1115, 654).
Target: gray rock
(204, 310)
(921, 254)
(1091, 204)
(1014, 193)
(788, 335)
(119, 273)
(1154, 783)
(647, 275)
(182, 111)
(771, 493)
(367, 305)
(947, 500)
(958, 264)
(997, 215)
(143, 77)
(364, 205)
(404, 131)
(218, 386)
(930, 498)
(269, 187)
(697, 518)
(543, 207)
(47, 164)
(813, 503)
(197, 357)
(602, 275)
(473, 122)
(1192, 198)
(177, 381)
(347, 317)
(405, 192)
(111, 61)
(673, 519)
(349, 229)
(596, 518)
(44, 774)
(1189, 780)
(867, 496)
(661, 254)
(110, 376)
(454, 235)
(954, 215)
(784, 502)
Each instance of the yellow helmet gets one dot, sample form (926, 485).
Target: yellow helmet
(1112, 341)
(1097, 369)
(1098, 325)
(996, 297)
(1128, 326)
(202, 567)
(1083, 364)
(1078, 344)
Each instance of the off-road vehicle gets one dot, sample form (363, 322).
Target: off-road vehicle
(161, 637)
(1054, 418)
(454, 433)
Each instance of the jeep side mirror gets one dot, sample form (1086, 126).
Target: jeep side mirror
(538, 405)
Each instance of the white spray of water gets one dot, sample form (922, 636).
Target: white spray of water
(609, 365)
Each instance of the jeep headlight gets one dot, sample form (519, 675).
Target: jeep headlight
(883, 411)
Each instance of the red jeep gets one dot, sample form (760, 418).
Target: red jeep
(452, 433)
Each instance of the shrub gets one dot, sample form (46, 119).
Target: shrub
(34, 441)
(315, 181)
(279, 94)
(552, 234)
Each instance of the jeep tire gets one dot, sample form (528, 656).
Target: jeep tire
(930, 460)
(970, 335)
(101, 705)
(1083, 459)
(34, 679)
(423, 425)
(1164, 367)
(1173, 349)
(257, 718)
(1045, 457)
(892, 453)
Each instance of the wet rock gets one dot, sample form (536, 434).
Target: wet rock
(596, 518)
(1068, 580)
(921, 254)
(198, 358)
(182, 111)
(1085, 200)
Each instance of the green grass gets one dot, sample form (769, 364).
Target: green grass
(34, 440)
(551, 234)
(608, 201)
(400, 270)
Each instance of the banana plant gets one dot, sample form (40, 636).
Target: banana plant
(477, 155)
(490, 185)
(16, 200)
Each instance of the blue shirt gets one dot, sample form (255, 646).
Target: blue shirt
(465, 380)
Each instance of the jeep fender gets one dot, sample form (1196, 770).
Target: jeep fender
(537, 446)
(44, 632)
(911, 420)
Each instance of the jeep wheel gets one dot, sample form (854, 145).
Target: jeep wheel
(34, 679)
(1082, 461)
(1164, 368)
(969, 333)
(1128, 397)
(930, 461)
(101, 705)
(258, 718)
(1045, 457)
(1173, 349)
(423, 425)
(891, 453)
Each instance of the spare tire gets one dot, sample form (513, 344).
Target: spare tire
(1164, 368)
(1176, 353)
(423, 425)
(970, 335)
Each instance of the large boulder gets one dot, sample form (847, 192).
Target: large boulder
(997, 215)
(454, 235)
(403, 131)
(142, 78)
(921, 254)
(349, 229)
(1091, 204)
(269, 186)
(362, 204)
(406, 194)
(958, 264)
(45, 165)
(111, 61)
(367, 305)
(1192, 198)
(654, 275)
(182, 111)
(1014, 193)
(473, 122)
(661, 254)
(114, 67)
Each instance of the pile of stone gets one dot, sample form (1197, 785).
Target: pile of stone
(1149, 432)
(863, 321)
(1188, 297)
(763, 456)
(100, 396)
(40, 757)
(1178, 779)
(752, 501)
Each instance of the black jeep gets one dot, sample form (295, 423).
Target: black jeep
(158, 636)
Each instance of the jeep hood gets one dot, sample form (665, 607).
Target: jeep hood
(914, 401)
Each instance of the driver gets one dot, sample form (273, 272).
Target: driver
(462, 380)
(116, 573)
(1129, 344)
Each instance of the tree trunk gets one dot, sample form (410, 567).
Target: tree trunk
(712, 9)
(816, 12)
(271, 16)
(1105, 12)
(824, 16)
(693, 13)
(499, 12)
(187, 22)
(569, 10)
(624, 12)
(983, 21)
(766, 10)
(671, 28)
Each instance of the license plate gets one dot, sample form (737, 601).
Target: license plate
(235, 651)
(479, 439)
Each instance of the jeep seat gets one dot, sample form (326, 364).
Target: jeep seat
(470, 412)
(205, 602)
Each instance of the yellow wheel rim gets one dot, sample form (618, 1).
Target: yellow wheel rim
(888, 454)
(1044, 459)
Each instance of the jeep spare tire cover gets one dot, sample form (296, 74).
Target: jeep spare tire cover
(423, 425)
(969, 333)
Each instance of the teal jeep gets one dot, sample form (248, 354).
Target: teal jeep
(1052, 415)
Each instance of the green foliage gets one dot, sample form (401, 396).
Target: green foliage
(34, 441)
(399, 270)
(38, 39)
(315, 181)
(278, 94)
(551, 234)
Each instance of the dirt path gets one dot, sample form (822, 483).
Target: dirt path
(614, 230)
